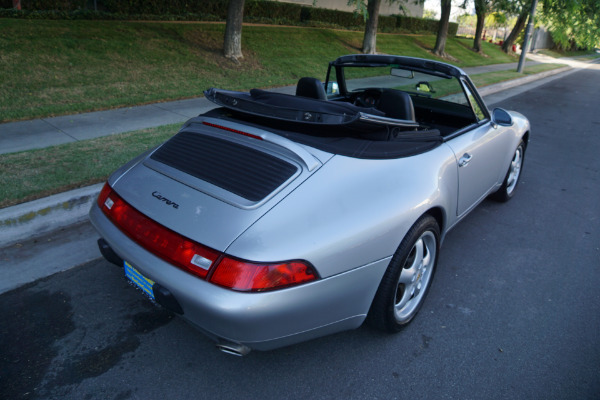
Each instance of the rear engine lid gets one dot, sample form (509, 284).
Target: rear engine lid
(245, 172)
(213, 180)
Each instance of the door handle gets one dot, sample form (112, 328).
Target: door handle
(464, 160)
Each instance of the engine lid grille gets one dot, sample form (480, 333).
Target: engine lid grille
(246, 172)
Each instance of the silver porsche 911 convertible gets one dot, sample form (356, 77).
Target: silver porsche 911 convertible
(273, 218)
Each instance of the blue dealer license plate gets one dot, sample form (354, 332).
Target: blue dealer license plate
(139, 280)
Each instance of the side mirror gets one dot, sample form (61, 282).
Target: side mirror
(424, 87)
(501, 117)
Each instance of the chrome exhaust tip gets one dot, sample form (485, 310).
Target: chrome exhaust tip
(234, 349)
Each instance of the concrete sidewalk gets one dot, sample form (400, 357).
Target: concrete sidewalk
(45, 132)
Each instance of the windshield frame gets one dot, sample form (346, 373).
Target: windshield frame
(415, 65)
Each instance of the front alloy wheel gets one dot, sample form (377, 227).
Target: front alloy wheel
(514, 171)
(509, 185)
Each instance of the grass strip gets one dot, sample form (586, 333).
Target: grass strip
(490, 78)
(34, 174)
(444, 87)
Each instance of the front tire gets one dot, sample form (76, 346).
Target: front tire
(509, 186)
(406, 282)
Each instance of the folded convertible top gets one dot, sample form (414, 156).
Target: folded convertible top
(332, 126)
(386, 143)
(303, 110)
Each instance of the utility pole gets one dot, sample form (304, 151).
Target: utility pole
(527, 40)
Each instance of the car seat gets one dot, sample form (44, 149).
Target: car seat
(312, 88)
(397, 104)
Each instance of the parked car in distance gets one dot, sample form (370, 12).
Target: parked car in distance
(274, 219)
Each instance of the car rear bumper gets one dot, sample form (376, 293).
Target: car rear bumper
(261, 321)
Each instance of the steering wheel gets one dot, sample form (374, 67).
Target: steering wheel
(368, 98)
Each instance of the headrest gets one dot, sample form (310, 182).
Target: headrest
(311, 87)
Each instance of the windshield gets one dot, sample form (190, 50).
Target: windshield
(415, 83)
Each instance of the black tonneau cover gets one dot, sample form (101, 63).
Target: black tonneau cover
(385, 143)
(303, 110)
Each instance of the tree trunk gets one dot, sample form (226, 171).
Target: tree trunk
(516, 30)
(478, 29)
(442, 35)
(17, 4)
(370, 39)
(232, 47)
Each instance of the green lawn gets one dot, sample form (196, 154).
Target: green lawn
(558, 54)
(33, 174)
(481, 80)
(61, 67)
(445, 87)
(460, 49)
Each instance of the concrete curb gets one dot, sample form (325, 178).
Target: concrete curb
(45, 215)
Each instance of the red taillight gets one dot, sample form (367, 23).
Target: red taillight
(163, 242)
(106, 189)
(249, 277)
(197, 259)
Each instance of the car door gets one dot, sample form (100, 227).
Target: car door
(480, 153)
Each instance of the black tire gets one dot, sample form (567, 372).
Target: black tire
(408, 278)
(513, 175)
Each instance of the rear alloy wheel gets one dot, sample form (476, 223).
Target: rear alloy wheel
(507, 190)
(407, 280)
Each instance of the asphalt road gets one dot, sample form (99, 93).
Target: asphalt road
(514, 310)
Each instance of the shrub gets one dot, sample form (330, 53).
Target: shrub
(260, 10)
(35, 5)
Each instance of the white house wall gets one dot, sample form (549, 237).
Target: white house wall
(412, 10)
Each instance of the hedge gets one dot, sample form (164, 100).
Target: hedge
(262, 11)
(37, 5)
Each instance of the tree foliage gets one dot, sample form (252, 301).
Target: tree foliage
(496, 19)
(572, 23)
(429, 14)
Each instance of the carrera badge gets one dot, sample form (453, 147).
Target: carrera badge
(168, 202)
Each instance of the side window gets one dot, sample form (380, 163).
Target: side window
(333, 85)
(474, 104)
(332, 89)
(450, 90)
